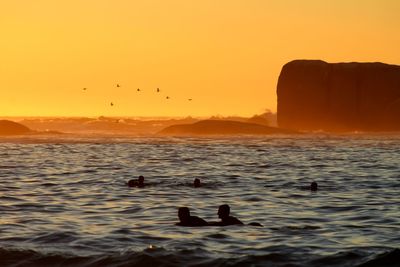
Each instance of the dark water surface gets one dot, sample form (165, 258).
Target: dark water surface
(63, 201)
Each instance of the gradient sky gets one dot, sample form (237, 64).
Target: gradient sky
(224, 54)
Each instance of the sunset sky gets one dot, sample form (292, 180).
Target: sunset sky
(226, 55)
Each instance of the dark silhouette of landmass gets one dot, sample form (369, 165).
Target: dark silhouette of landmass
(315, 95)
(222, 127)
(12, 128)
(103, 125)
(122, 126)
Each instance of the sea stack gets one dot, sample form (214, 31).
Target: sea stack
(315, 95)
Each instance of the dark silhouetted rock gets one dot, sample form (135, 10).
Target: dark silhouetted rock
(315, 95)
(12, 128)
(222, 127)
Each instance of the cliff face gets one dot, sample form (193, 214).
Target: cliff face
(315, 95)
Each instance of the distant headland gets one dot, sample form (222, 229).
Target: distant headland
(129, 126)
(315, 95)
(13, 128)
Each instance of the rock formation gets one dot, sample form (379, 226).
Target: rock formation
(222, 127)
(315, 95)
(12, 128)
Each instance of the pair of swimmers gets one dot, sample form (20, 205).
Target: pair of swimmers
(185, 219)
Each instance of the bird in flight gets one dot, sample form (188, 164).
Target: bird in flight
(138, 89)
(190, 99)
(112, 104)
(118, 85)
(167, 97)
(158, 90)
(84, 89)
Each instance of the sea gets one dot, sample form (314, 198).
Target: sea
(64, 200)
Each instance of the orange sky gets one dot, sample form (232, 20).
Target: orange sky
(224, 54)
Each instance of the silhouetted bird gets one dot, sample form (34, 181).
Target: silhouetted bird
(138, 90)
(190, 99)
(112, 104)
(118, 85)
(167, 97)
(187, 220)
(158, 90)
(84, 89)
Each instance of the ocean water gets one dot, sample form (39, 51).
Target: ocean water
(64, 201)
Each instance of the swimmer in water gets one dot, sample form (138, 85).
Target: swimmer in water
(196, 182)
(314, 186)
(136, 183)
(141, 181)
(132, 183)
(187, 220)
(223, 214)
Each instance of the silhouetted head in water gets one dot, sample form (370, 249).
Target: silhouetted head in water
(223, 211)
(314, 186)
(187, 220)
(184, 214)
(141, 181)
(196, 182)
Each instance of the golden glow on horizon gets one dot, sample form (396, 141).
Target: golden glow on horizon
(226, 55)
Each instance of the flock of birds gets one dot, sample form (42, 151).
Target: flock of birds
(138, 90)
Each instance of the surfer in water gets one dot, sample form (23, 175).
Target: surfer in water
(187, 220)
(314, 186)
(196, 182)
(136, 183)
(226, 219)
